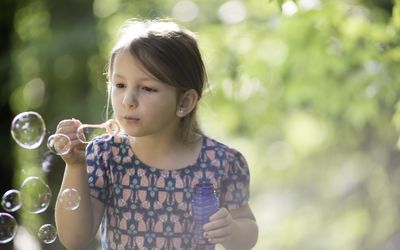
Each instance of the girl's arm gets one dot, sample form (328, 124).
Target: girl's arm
(78, 227)
(235, 229)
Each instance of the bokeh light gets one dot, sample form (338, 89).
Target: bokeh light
(34, 92)
(289, 8)
(105, 8)
(279, 155)
(309, 4)
(185, 11)
(28, 129)
(232, 12)
(24, 238)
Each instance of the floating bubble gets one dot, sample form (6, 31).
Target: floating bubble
(28, 129)
(59, 144)
(70, 199)
(35, 195)
(11, 200)
(8, 228)
(47, 233)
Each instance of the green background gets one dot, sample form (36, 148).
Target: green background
(307, 90)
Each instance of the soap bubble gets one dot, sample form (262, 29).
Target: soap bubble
(47, 233)
(11, 200)
(59, 144)
(70, 199)
(28, 129)
(35, 195)
(8, 227)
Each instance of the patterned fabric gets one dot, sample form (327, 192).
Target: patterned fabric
(149, 208)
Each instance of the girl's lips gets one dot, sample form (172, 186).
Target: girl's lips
(129, 118)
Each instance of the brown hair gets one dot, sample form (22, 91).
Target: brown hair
(170, 54)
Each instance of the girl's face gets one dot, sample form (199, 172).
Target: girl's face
(142, 105)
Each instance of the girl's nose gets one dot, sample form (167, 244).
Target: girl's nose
(130, 98)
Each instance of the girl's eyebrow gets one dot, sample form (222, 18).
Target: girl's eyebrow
(117, 75)
(142, 79)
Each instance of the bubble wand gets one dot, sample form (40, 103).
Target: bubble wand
(87, 132)
(60, 144)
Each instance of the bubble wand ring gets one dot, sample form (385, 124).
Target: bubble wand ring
(111, 127)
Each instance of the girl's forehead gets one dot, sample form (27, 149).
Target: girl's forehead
(124, 56)
(125, 62)
(128, 67)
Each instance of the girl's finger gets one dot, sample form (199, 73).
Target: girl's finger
(69, 123)
(212, 225)
(76, 144)
(221, 213)
(79, 150)
(218, 233)
(70, 131)
(65, 123)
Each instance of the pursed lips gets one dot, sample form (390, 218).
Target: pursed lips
(131, 118)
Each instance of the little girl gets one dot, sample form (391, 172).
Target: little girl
(139, 185)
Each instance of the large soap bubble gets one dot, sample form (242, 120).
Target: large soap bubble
(35, 195)
(8, 228)
(28, 129)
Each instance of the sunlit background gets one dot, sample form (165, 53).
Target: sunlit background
(307, 90)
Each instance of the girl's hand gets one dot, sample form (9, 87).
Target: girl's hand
(220, 227)
(76, 154)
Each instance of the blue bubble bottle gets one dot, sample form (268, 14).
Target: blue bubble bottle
(204, 204)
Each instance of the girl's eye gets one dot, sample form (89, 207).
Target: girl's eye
(148, 89)
(119, 85)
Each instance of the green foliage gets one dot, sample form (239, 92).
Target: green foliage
(311, 98)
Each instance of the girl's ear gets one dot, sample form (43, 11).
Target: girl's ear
(187, 103)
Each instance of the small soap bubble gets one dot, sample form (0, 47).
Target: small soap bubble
(35, 195)
(28, 129)
(59, 144)
(8, 228)
(47, 233)
(70, 199)
(11, 200)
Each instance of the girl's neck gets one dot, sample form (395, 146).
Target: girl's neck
(167, 152)
(160, 144)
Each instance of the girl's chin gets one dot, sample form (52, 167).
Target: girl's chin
(133, 132)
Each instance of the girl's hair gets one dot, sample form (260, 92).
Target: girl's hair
(170, 54)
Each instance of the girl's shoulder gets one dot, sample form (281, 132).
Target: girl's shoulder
(219, 149)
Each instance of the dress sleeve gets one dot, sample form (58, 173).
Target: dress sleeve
(235, 183)
(97, 170)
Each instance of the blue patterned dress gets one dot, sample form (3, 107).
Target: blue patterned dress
(149, 208)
